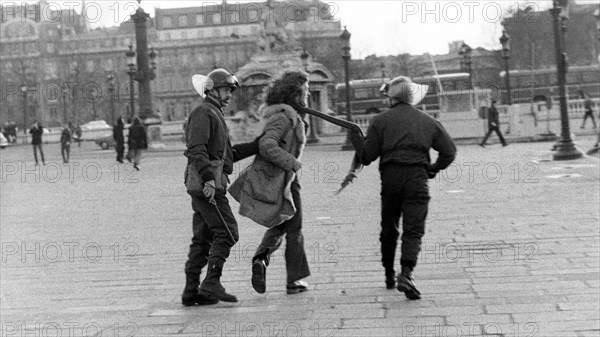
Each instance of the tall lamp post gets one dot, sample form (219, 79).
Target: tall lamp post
(596, 147)
(74, 102)
(346, 57)
(565, 149)
(131, 71)
(505, 41)
(65, 93)
(24, 93)
(465, 52)
(312, 137)
(111, 91)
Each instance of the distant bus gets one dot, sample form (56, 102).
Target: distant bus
(365, 97)
(528, 85)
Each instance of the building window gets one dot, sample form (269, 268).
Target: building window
(216, 18)
(89, 66)
(183, 22)
(199, 19)
(232, 17)
(167, 21)
(253, 16)
(127, 41)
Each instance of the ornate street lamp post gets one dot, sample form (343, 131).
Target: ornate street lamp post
(74, 102)
(145, 72)
(465, 52)
(346, 57)
(565, 149)
(146, 68)
(131, 71)
(505, 41)
(24, 93)
(65, 93)
(312, 137)
(111, 91)
(596, 147)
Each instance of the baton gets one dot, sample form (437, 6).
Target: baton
(356, 166)
(214, 203)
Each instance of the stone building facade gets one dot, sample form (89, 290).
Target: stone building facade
(65, 64)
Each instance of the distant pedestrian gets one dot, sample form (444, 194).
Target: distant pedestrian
(137, 141)
(119, 139)
(493, 125)
(269, 191)
(76, 130)
(65, 143)
(401, 137)
(36, 132)
(587, 106)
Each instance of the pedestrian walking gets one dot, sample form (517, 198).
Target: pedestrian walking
(269, 190)
(210, 159)
(65, 143)
(401, 137)
(493, 125)
(137, 142)
(36, 132)
(76, 130)
(119, 139)
(587, 106)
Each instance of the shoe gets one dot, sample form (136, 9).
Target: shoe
(189, 300)
(137, 167)
(297, 287)
(217, 292)
(407, 286)
(483, 146)
(259, 276)
(505, 145)
(190, 294)
(390, 280)
(120, 161)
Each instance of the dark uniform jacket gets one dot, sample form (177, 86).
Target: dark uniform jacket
(493, 120)
(207, 138)
(403, 135)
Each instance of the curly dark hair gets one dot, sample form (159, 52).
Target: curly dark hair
(287, 88)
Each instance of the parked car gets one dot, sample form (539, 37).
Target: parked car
(3, 141)
(107, 141)
(95, 125)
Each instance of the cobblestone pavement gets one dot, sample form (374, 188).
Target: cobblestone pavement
(93, 248)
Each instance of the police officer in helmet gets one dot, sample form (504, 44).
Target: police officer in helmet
(208, 143)
(401, 138)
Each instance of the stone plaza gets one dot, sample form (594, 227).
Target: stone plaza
(94, 248)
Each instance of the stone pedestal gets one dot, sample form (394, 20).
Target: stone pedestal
(154, 134)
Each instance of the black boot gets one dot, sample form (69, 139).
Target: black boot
(211, 286)
(390, 278)
(406, 284)
(190, 293)
(259, 276)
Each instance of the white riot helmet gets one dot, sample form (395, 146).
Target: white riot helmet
(402, 89)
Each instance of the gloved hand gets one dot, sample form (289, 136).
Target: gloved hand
(209, 189)
(432, 171)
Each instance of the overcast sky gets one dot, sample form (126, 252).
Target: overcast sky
(377, 27)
